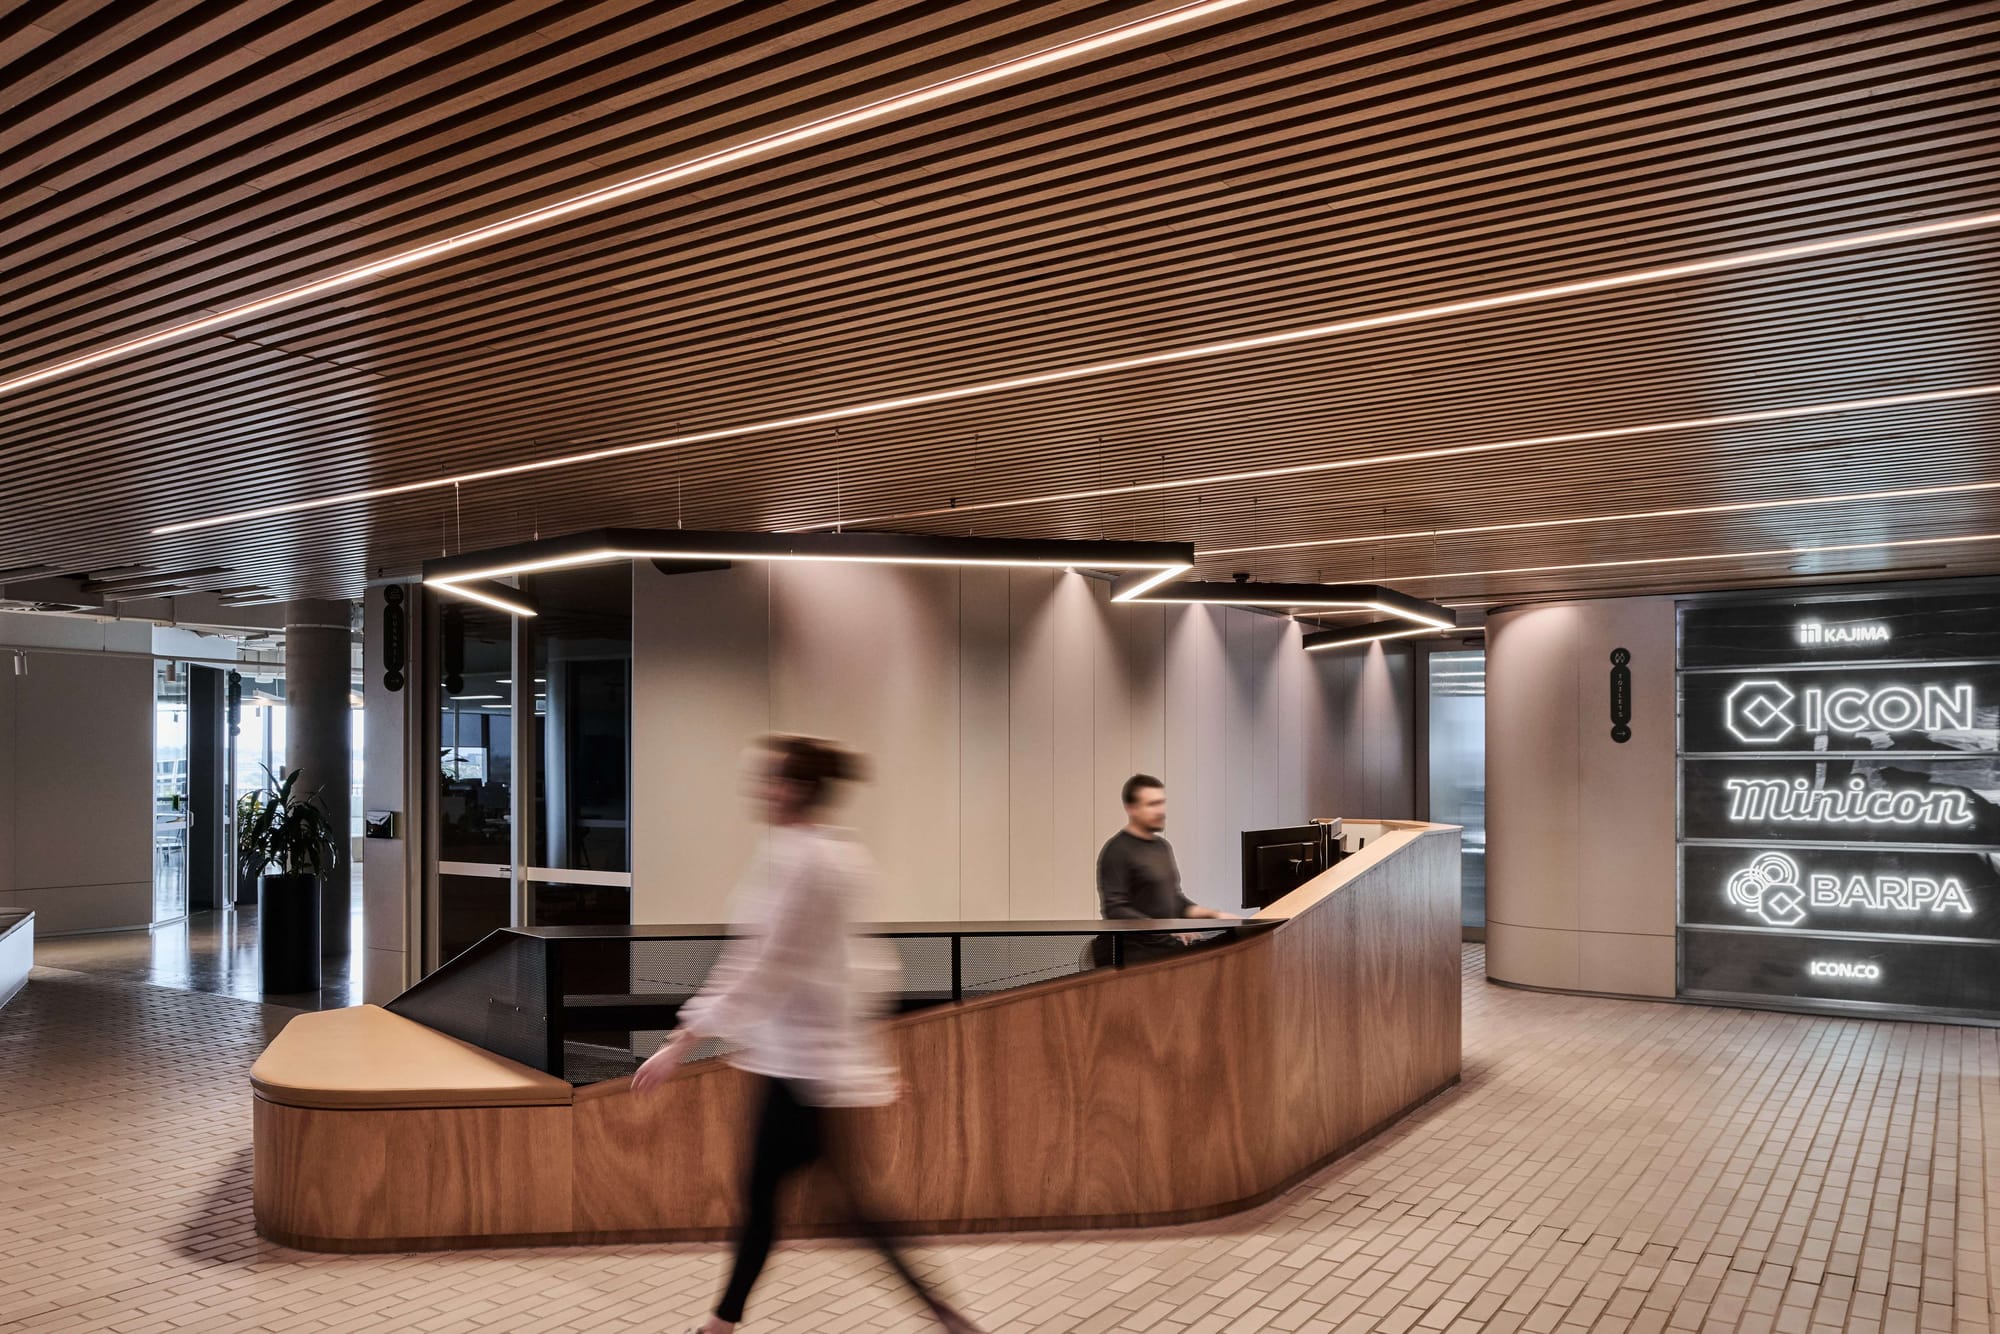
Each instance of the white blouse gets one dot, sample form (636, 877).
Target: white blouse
(796, 991)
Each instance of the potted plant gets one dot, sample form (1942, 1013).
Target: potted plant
(290, 844)
(247, 805)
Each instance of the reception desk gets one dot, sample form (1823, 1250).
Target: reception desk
(1156, 1093)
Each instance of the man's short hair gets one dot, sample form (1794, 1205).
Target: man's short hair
(1135, 784)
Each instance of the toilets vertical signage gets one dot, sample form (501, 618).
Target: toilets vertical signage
(1840, 801)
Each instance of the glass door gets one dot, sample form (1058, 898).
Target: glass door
(578, 743)
(532, 809)
(473, 810)
(170, 792)
(1457, 754)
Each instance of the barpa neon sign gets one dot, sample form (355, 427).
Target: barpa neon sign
(1772, 890)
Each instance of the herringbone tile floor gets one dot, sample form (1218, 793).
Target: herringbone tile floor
(1605, 1165)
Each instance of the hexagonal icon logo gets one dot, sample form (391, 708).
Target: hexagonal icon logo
(1759, 712)
(1768, 888)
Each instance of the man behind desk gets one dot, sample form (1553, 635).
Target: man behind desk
(1137, 877)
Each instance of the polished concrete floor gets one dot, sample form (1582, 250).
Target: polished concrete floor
(1605, 1165)
(214, 952)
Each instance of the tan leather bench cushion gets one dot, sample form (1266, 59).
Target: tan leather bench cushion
(365, 1057)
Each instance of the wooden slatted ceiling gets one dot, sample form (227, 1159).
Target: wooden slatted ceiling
(1288, 165)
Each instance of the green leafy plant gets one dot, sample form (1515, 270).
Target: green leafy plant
(247, 806)
(290, 832)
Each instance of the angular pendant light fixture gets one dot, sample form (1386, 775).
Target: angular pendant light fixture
(477, 576)
(1407, 610)
(1374, 632)
(1149, 572)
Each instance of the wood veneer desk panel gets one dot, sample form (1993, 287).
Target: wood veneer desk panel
(1167, 1092)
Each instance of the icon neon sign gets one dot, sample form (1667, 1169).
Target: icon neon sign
(1760, 711)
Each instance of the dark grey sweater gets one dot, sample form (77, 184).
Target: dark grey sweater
(1137, 877)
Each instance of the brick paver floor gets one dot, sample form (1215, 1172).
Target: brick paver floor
(1605, 1165)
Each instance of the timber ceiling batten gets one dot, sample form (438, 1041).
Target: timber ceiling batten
(603, 196)
(1290, 163)
(1198, 352)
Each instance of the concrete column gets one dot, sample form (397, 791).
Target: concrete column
(1580, 828)
(208, 790)
(319, 664)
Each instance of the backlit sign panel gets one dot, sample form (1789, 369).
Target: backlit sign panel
(1925, 707)
(1885, 798)
(1840, 803)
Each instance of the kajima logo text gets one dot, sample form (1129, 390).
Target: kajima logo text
(1772, 890)
(1763, 712)
(1812, 632)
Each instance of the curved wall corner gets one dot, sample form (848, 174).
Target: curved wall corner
(1580, 828)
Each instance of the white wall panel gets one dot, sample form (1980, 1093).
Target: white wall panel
(1031, 741)
(82, 806)
(385, 888)
(1001, 710)
(869, 657)
(1074, 832)
(7, 780)
(985, 841)
(701, 688)
(1580, 829)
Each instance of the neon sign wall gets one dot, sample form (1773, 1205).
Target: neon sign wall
(1840, 802)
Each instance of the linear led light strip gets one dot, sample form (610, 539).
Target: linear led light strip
(1365, 634)
(1731, 507)
(637, 185)
(1449, 451)
(1719, 555)
(1305, 605)
(1717, 264)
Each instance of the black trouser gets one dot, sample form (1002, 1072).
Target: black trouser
(792, 1135)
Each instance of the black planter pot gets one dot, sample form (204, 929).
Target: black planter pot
(288, 932)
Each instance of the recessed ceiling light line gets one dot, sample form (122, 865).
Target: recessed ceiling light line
(653, 180)
(1680, 512)
(1884, 544)
(1607, 282)
(1448, 451)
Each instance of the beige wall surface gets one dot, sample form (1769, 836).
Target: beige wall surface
(1580, 829)
(386, 864)
(1001, 710)
(76, 793)
(7, 779)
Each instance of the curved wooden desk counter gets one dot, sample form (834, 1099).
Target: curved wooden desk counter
(1167, 1092)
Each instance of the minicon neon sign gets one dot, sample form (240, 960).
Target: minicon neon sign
(1859, 972)
(1774, 800)
(1762, 711)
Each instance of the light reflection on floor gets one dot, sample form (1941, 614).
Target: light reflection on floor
(214, 952)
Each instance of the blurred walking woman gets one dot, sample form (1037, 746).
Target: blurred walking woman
(799, 996)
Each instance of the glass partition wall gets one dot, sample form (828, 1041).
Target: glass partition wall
(170, 792)
(531, 821)
(1456, 713)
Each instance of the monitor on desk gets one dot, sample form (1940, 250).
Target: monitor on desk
(1278, 861)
